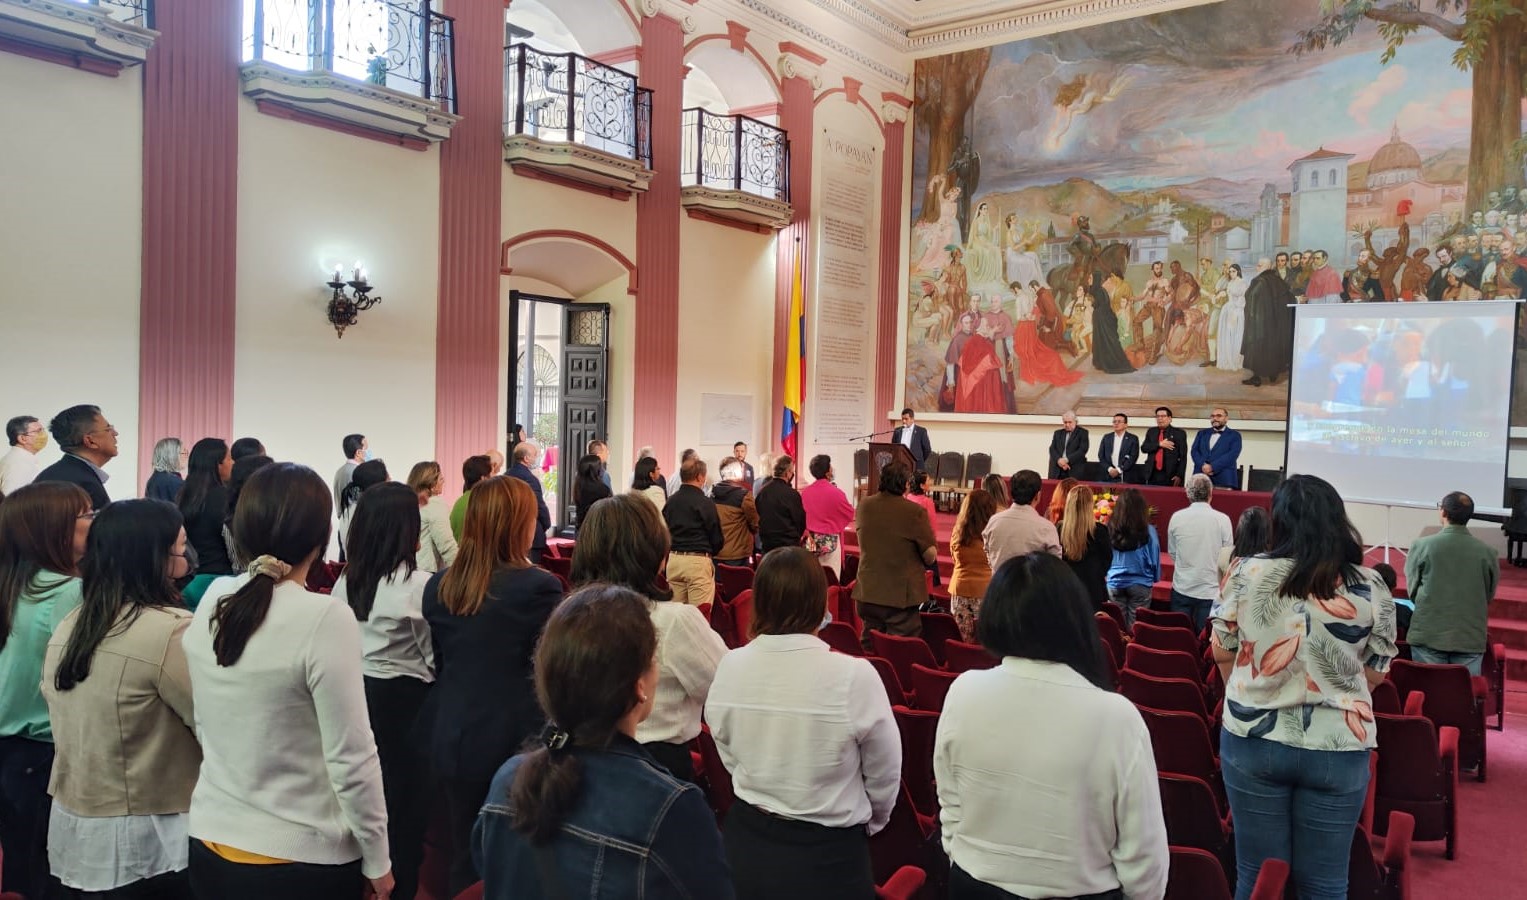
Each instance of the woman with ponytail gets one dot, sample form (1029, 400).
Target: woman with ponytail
(485, 614)
(588, 805)
(289, 799)
(119, 695)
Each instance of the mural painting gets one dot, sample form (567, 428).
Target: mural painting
(1122, 216)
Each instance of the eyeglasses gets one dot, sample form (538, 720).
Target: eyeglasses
(90, 514)
(107, 429)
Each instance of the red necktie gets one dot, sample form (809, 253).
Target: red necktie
(1160, 452)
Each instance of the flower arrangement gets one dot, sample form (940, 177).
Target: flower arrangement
(1102, 506)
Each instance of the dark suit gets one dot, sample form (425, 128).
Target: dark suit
(1222, 459)
(781, 515)
(1073, 446)
(76, 471)
(894, 535)
(1127, 457)
(543, 515)
(920, 448)
(1173, 462)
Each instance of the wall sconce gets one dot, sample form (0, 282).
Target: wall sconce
(345, 309)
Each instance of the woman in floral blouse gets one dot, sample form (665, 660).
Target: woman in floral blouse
(1301, 634)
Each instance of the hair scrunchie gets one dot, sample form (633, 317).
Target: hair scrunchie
(554, 738)
(270, 567)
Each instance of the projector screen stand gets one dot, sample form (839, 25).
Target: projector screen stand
(1387, 547)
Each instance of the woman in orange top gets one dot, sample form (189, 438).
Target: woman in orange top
(972, 571)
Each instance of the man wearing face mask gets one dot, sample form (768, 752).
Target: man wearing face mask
(19, 467)
(356, 451)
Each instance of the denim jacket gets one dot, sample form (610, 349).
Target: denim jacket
(634, 832)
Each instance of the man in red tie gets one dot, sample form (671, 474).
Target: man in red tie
(1165, 451)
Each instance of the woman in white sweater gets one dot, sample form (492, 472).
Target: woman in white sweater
(289, 799)
(624, 541)
(1057, 796)
(437, 544)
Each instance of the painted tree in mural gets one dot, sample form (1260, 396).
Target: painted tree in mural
(1492, 43)
(946, 90)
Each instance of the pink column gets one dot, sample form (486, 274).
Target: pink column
(656, 363)
(471, 171)
(797, 117)
(190, 199)
(888, 307)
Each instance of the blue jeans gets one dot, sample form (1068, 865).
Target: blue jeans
(1197, 610)
(1475, 661)
(1296, 805)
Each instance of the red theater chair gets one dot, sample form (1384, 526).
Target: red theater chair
(893, 689)
(841, 638)
(1161, 663)
(1453, 697)
(963, 657)
(903, 653)
(931, 686)
(733, 580)
(1161, 619)
(1180, 742)
(1112, 634)
(1418, 774)
(1175, 694)
(1193, 817)
(904, 885)
(1156, 637)
(918, 728)
(938, 628)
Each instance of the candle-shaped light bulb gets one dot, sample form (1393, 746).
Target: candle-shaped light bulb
(339, 272)
(363, 277)
(358, 271)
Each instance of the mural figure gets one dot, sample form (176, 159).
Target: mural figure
(1106, 194)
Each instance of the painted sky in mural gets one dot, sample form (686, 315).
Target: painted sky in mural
(1176, 141)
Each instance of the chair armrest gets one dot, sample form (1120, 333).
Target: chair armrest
(1499, 651)
(904, 883)
(1402, 827)
(1414, 703)
(1447, 748)
(1479, 686)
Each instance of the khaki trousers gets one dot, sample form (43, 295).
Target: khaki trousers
(692, 578)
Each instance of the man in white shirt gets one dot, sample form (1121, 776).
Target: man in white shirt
(1194, 539)
(354, 447)
(27, 437)
(1020, 529)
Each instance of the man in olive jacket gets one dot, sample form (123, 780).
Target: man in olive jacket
(738, 513)
(1451, 578)
(896, 544)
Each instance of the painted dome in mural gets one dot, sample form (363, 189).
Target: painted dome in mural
(1395, 156)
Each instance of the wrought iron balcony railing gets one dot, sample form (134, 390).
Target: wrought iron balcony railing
(564, 97)
(403, 45)
(133, 12)
(735, 153)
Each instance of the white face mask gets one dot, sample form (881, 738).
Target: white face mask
(369, 455)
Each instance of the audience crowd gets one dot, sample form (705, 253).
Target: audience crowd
(194, 703)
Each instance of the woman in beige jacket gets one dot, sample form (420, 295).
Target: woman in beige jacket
(119, 696)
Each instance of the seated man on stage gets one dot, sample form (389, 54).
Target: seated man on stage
(1068, 448)
(1118, 451)
(1217, 450)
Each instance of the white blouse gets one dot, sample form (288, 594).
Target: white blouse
(805, 732)
(688, 650)
(1047, 784)
(395, 638)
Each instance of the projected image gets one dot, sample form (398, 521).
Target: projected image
(1413, 386)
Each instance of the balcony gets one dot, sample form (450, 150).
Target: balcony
(103, 36)
(570, 119)
(379, 68)
(735, 168)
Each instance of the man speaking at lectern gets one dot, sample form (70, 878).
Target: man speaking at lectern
(914, 437)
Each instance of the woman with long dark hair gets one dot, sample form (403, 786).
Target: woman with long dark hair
(437, 545)
(1084, 544)
(810, 741)
(647, 480)
(1253, 535)
(289, 800)
(588, 791)
(119, 695)
(625, 542)
(972, 570)
(589, 487)
(384, 586)
(1056, 797)
(43, 529)
(203, 502)
(1301, 634)
(368, 474)
(1136, 565)
(485, 615)
(243, 468)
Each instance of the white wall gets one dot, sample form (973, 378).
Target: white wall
(309, 198)
(71, 217)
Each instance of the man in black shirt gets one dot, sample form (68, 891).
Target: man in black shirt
(781, 515)
(695, 532)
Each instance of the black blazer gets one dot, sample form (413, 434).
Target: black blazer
(1075, 451)
(1127, 457)
(483, 705)
(781, 515)
(204, 532)
(921, 449)
(1092, 568)
(76, 471)
(1174, 463)
(543, 515)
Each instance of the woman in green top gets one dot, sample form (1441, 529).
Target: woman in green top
(43, 527)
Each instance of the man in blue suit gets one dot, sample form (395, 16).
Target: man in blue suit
(1217, 450)
(1118, 452)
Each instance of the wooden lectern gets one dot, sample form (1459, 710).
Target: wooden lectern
(882, 455)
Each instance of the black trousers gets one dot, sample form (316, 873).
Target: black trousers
(24, 805)
(463, 801)
(963, 887)
(899, 621)
(393, 706)
(673, 757)
(169, 886)
(212, 876)
(773, 857)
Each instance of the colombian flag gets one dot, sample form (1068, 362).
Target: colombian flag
(795, 366)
